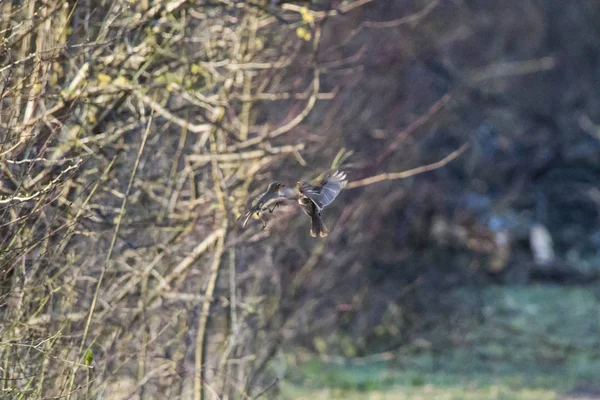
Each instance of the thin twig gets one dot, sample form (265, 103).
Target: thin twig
(200, 338)
(265, 390)
(119, 218)
(411, 172)
(516, 68)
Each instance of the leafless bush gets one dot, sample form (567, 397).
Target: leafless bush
(131, 133)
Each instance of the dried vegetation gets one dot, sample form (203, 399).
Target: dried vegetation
(132, 133)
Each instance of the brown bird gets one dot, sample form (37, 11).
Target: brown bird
(269, 200)
(313, 198)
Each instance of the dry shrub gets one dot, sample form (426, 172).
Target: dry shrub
(133, 133)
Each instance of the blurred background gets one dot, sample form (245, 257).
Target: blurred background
(463, 260)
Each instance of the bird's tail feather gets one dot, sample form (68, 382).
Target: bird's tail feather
(318, 226)
(246, 216)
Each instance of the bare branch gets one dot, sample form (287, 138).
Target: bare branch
(411, 172)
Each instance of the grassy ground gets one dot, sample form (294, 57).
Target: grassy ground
(426, 392)
(537, 342)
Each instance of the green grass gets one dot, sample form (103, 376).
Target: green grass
(426, 392)
(535, 343)
(382, 381)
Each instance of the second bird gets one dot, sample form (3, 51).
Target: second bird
(313, 198)
(270, 199)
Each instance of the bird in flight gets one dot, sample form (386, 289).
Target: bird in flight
(313, 198)
(269, 200)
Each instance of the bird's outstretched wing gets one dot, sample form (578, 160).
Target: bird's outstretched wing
(330, 187)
